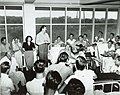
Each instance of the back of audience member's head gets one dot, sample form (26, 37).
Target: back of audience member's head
(3, 38)
(5, 67)
(63, 57)
(53, 79)
(39, 66)
(81, 63)
(75, 87)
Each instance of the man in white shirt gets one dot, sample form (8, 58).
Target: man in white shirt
(42, 41)
(111, 37)
(4, 47)
(6, 86)
(12, 61)
(71, 39)
(84, 75)
(35, 87)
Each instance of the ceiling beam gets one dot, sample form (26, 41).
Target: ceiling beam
(29, 1)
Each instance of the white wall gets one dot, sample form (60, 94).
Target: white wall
(29, 21)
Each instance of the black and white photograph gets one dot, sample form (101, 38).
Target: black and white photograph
(59, 47)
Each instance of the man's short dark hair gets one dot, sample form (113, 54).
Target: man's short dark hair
(3, 38)
(72, 34)
(63, 57)
(4, 67)
(112, 34)
(81, 62)
(75, 87)
(53, 79)
(39, 66)
(85, 35)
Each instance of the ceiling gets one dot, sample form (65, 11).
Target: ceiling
(68, 2)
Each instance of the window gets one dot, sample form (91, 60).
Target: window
(100, 15)
(72, 15)
(58, 15)
(112, 15)
(87, 29)
(13, 26)
(74, 29)
(58, 30)
(86, 15)
(42, 15)
(65, 20)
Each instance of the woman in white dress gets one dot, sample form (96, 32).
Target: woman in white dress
(17, 48)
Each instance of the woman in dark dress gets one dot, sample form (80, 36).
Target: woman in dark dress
(28, 47)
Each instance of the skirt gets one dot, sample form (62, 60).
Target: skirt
(29, 59)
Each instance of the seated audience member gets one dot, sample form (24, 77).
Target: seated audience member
(80, 41)
(92, 57)
(35, 87)
(111, 37)
(117, 39)
(71, 40)
(77, 50)
(108, 60)
(117, 52)
(6, 84)
(84, 75)
(4, 47)
(116, 68)
(99, 38)
(18, 79)
(58, 42)
(12, 61)
(86, 39)
(62, 67)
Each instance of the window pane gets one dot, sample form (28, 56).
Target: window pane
(100, 15)
(42, 15)
(87, 29)
(14, 16)
(74, 29)
(15, 31)
(58, 15)
(2, 15)
(13, 7)
(112, 16)
(99, 28)
(86, 15)
(2, 31)
(58, 30)
(73, 15)
(38, 29)
(111, 29)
